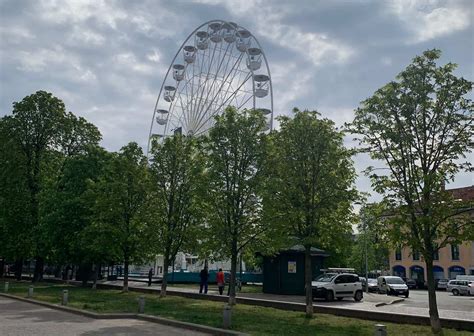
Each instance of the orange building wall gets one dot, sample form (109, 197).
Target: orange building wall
(466, 260)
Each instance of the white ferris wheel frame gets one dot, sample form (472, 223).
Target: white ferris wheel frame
(237, 29)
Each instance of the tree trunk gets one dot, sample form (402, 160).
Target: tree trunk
(18, 269)
(2, 267)
(308, 275)
(39, 266)
(125, 275)
(233, 271)
(434, 316)
(96, 275)
(164, 282)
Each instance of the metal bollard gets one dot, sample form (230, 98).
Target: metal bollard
(380, 330)
(65, 299)
(6, 286)
(30, 292)
(227, 317)
(141, 305)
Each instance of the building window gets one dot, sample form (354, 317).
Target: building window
(455, 252)
(416, 255)
(436, 252)
(398, 254)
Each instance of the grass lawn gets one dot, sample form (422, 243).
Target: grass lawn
(250, 319)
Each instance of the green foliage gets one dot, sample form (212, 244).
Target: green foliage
(174, 205)
(421, 126)
(40, 137)
(120, 195)
(235, 152)
(310, 190)
(372, 239)
(311, 187)
(69, 212)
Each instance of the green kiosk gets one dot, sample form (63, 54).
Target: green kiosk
(283, 273)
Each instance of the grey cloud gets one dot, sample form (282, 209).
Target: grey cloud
(96, 55)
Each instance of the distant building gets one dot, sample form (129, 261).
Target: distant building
(450, 261)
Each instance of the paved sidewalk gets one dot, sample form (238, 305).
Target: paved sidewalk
(19, 318)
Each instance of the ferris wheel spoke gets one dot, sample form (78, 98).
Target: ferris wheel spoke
(200, 57)
(211, 87)
(207, 78)
(231, 82)
(220, 106)
(203, 115)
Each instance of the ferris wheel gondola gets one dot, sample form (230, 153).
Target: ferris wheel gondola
(219, 64)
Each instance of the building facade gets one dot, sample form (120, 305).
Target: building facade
(450, 261)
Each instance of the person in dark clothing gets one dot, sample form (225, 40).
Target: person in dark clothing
(150, 275)
(204, 275)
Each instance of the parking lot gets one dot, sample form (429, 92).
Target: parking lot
(449, 306)
(446, 300)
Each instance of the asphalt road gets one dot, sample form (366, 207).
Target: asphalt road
(445, 300)
(24, 319)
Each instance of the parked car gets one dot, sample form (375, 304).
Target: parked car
(372, 284)
(442, 284)
(471, 287)
(336, 285)
(392, 285)
(411, 284)
(459, 287)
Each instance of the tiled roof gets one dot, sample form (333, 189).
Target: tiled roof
(464, 193)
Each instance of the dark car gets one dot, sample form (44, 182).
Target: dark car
(411, 283)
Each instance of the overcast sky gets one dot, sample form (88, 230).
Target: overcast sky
(107, 59)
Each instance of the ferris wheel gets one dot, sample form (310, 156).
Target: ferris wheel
(219, 64)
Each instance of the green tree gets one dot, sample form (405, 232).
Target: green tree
(120, 208)
(421, 127)
(68, 210)
(235, 153)
(15, 233)
(312, 190)
(43, 134)
(370, 251)
(174, 205)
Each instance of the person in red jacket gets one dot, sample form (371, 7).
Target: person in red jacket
(220, 281)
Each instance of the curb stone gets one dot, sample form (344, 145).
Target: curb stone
(141, 317)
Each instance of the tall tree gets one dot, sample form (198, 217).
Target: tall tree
(312, 185)
(174, 205)
(235, 152)
(421, 126)
(120, 206)
(44, 133)
(15, 231)
(68, 209)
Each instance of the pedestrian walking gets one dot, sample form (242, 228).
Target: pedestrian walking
(150, 275)
(220, 281)
(204, 275)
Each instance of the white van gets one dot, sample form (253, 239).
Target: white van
(392, 285)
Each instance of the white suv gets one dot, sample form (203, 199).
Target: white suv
(337, 285)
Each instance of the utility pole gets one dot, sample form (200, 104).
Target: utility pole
(364, 225)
